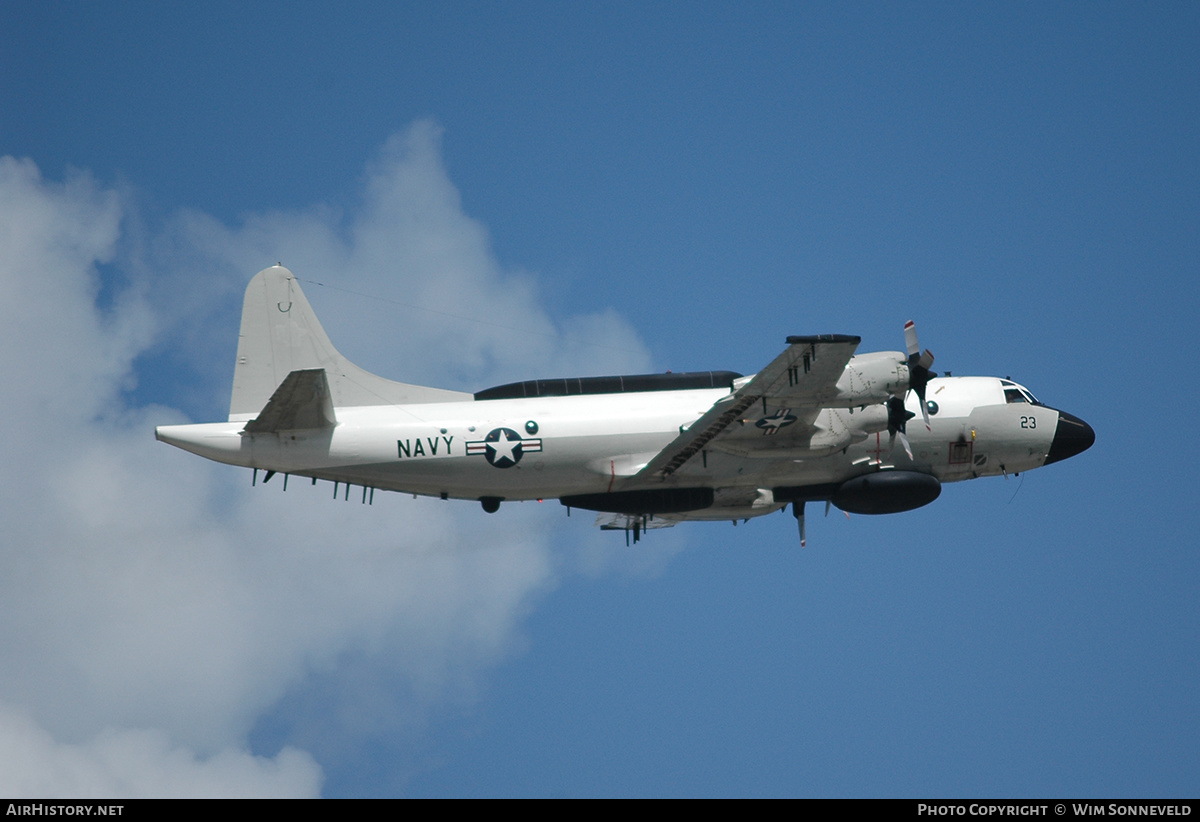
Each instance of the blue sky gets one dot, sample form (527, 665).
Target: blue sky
(504, 191)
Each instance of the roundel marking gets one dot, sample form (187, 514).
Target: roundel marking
(503, 447)
(771, 425)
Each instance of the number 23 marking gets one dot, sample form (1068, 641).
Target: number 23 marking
(1029, 422)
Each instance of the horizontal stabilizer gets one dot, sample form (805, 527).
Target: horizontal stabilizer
(301, 401)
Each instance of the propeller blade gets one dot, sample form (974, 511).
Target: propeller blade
(898, 415)
(919, 374)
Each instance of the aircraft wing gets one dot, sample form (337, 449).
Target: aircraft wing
(793, 386)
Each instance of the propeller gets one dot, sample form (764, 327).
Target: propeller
(898, 417)
(919, 374)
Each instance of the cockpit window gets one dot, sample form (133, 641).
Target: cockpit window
(1015, 393)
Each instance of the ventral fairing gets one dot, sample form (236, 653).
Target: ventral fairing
(820, 423)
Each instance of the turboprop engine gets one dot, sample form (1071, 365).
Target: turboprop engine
(870, 379)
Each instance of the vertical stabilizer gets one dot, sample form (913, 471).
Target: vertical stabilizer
(281, 334)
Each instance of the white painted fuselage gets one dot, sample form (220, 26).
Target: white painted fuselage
(586, 443)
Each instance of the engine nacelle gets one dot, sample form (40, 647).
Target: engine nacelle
(887, 492)
(872, 378)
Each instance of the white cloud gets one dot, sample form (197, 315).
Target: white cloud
(441, 311)
(141, 763)
(153, 608)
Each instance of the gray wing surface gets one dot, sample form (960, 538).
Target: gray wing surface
(791, 389)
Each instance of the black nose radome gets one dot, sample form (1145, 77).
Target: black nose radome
(1071, 437)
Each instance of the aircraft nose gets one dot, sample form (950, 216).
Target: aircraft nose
(1072, 436)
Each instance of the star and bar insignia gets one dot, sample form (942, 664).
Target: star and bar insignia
(503, 447)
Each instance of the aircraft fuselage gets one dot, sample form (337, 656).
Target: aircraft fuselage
(550, 447)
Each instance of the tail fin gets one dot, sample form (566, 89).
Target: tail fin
(281, 334)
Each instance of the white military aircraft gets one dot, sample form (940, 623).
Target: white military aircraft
(819, 423)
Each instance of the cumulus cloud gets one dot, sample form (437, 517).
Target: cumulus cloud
(449, 313)
(153, 609)
(123, 763)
